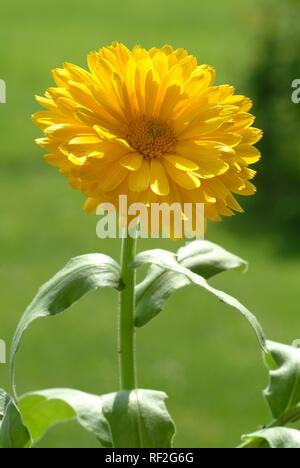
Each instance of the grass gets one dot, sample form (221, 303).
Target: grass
(198, 351)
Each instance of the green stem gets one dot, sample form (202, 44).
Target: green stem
(126, 347)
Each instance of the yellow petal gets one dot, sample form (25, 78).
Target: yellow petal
(233, 203)
(56, 93)
(216, 188)
(64, 131)
(249, 173)
(46, 102)
(60, 76)
(158, 178)
(110, 137)
(132, 161)
(85, 140)
(57, 160)
(251, 135)
(160, 63)
(170, 99)
(229, 139)
(242, 120)
(107, 151)
(181, 163)
(201, 79)
(47, 143)
(212, 213)
(78, 161)
(217, 94)
(91, 205)
(151, 90)
(103, 133)
(186, 180)
(112, 177)
(46, 119)
(82, 95)
(207, 156)
(77, 73)
(87, 117)
(249, 189)
(249, 153)
(139, 180)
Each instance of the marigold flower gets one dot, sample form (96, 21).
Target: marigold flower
(149, 124)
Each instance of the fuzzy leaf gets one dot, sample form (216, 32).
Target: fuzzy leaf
(283, 392)
(168, 261)
(80, 276)
(277, 437)
(201, 257)
(44, 409)
(13, 432)
(138, 419)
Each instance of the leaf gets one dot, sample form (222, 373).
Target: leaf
(168, 261)
(283, 391)
(80, 276)
(202, 257)
(43, 409)
(208, 259)
(138, 419)
(13, 432)
(278, 437)
(153, 293)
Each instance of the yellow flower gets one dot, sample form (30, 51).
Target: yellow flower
(149, 124)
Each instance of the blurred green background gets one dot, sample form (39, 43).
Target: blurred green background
(198, 351)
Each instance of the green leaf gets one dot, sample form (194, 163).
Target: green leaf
(168, 261)
(153, 293)
(138, 419)
(202, 257)
(80, 276)
(43, 409)
(283, 392)
(208, 259)
(278, 437)
(13, 432)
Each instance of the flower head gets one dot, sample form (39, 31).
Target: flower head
(149, 124)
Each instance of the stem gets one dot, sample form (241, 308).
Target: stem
(126, 346)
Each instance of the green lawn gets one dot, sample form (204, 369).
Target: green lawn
(200, 352)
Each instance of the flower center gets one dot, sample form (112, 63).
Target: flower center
(150, 137)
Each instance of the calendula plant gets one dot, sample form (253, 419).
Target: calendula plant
(151, 125)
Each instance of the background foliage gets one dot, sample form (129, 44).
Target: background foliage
(277, 65)
(42, 224)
